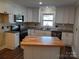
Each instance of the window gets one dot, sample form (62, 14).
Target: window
(48, 20)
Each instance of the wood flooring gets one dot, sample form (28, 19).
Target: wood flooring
(18, 53)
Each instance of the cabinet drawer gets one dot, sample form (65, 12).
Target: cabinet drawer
(67, 38)
(67, 35)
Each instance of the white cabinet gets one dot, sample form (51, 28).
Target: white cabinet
(35, 15)
(29, 15)
(39, 32)
(59, 15)
(67, 38)
(32, 15)
(71, 15)
(65, 15)
(12, 40)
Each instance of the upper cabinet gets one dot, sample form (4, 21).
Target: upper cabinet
(32, 15)
(35, 15)
(29, 15)
(59, 15)
(67, 38)
(65, 15)
(4, 18)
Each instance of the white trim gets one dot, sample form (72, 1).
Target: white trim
(74, 53)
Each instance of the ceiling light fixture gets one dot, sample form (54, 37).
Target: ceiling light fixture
(47, 7)
(40, 3)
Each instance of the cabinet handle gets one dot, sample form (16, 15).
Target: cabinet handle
(76, 29)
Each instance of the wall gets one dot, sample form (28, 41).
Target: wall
(12, 8)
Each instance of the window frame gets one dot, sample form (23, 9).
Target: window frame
(48, 20)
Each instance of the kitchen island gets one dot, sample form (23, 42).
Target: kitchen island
(44, 47)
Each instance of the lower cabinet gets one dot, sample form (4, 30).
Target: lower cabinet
(67, 38)
(39, 32)
(12, 40)
(2, 38)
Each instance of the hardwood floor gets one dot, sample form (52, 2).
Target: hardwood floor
(67, 53)
(11, 54)
(18, 53)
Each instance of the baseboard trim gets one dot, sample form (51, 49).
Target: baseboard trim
(2, 47)
(74, 53)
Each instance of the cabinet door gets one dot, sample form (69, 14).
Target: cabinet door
(59, 15)
(65, 15)
(35, 15)
(29, 15)
(67, 38)
(71, 15)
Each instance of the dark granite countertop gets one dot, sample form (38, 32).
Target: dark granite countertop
(63, 30)
(54, 29)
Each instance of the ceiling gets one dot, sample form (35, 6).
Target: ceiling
(35, 3)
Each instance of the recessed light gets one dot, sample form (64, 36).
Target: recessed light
(47, 7)
(40, 3)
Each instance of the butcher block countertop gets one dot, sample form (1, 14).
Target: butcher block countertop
(42, 41)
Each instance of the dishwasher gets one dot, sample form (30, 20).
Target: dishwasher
(56, 34)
